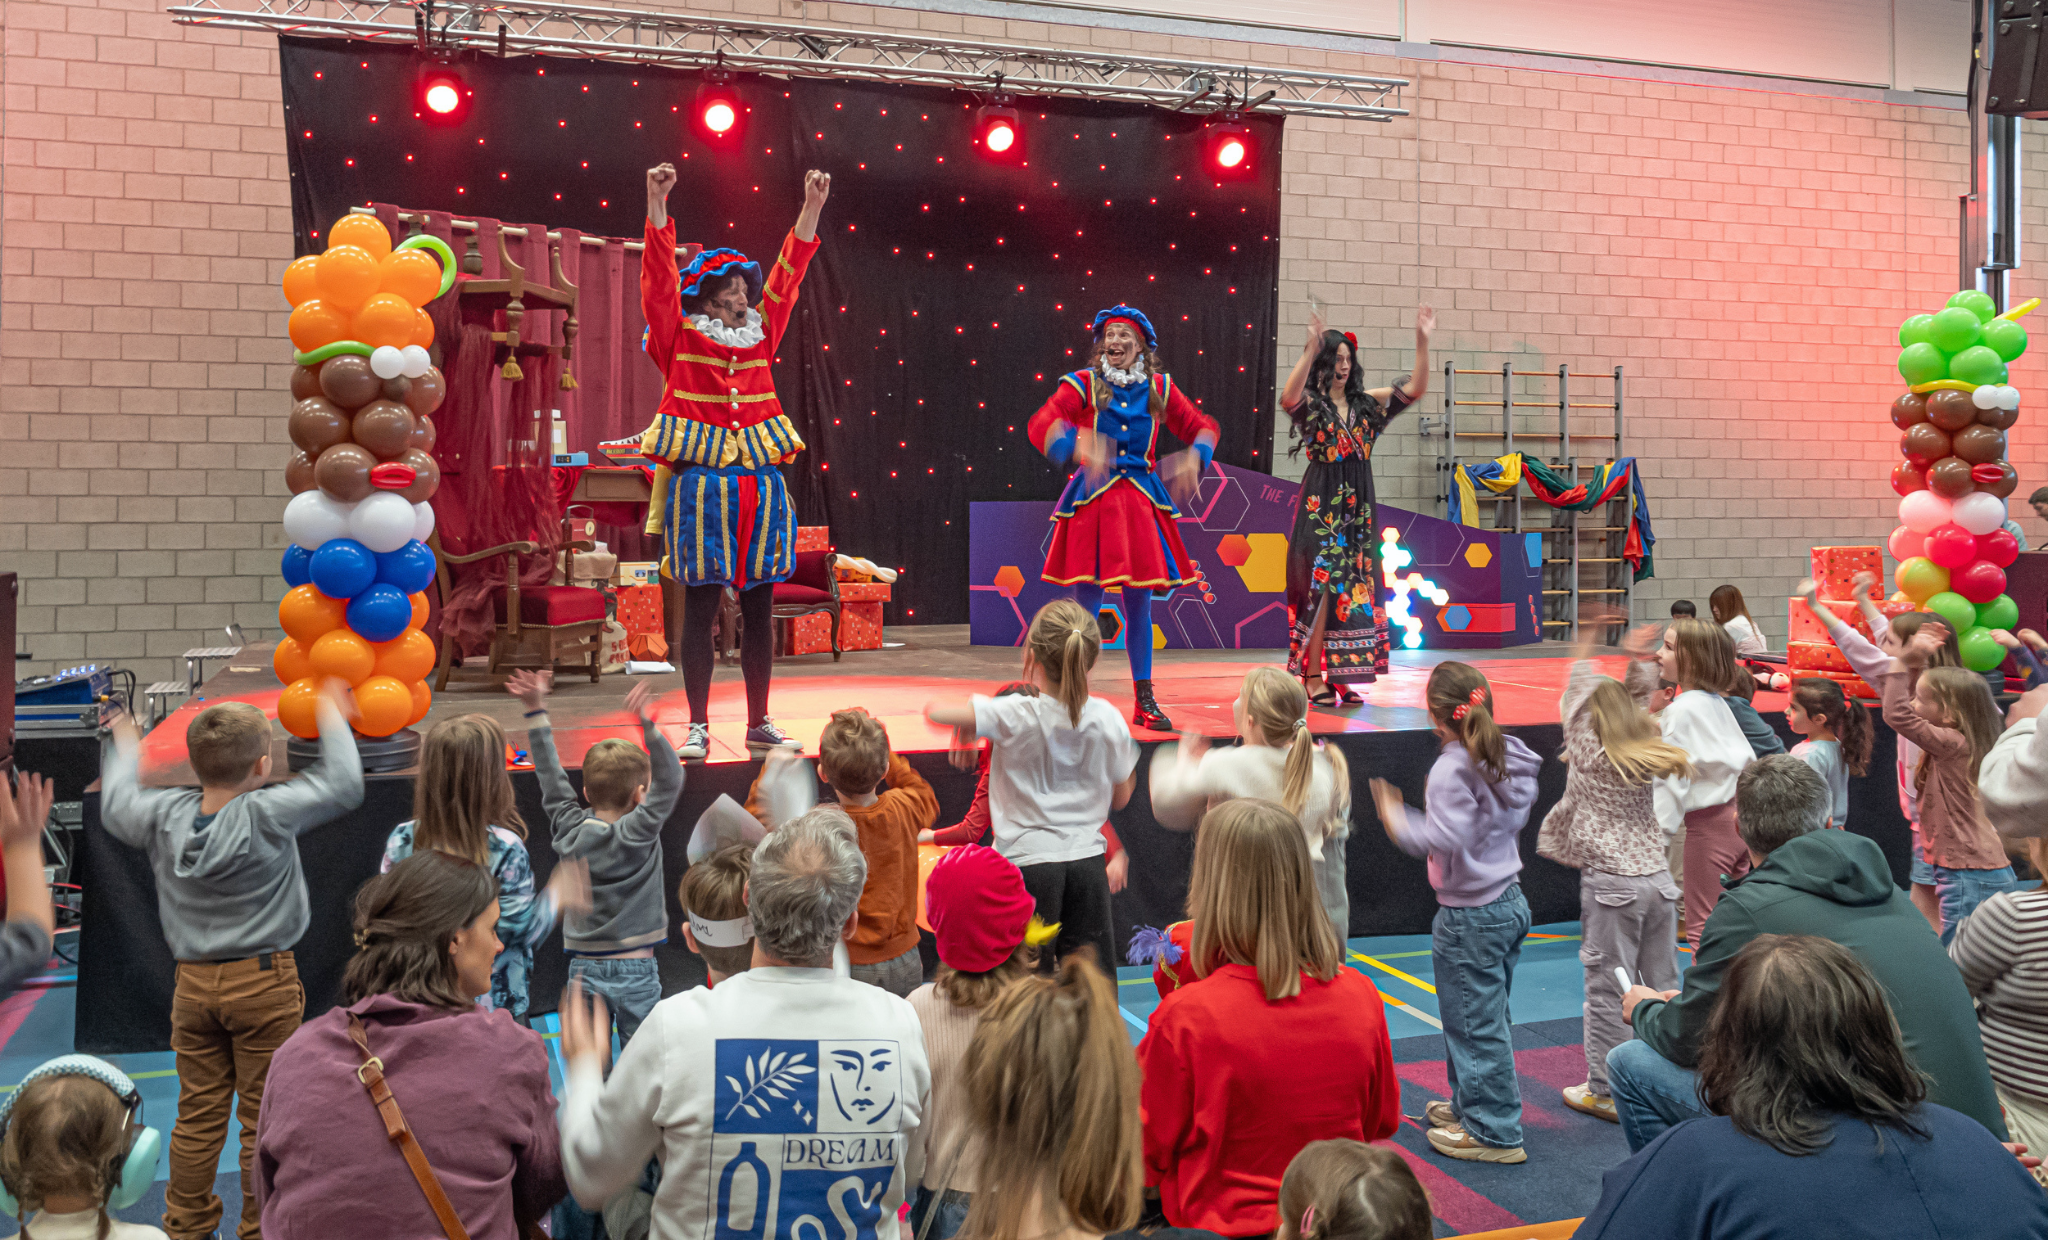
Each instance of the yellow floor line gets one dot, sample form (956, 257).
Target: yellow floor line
(1410, 978)
(1411, 1009)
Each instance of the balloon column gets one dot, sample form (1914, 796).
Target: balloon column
(361, 476)
(1951, 545)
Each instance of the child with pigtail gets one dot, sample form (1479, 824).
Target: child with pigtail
(1838, 736)
(1479, 795)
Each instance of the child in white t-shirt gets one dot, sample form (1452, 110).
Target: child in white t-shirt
(1732, 614)
(1059, 762)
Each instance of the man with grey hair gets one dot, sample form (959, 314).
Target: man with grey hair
(1804, 879)
(788, 1098)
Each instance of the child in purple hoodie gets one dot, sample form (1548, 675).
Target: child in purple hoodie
(1480, 793)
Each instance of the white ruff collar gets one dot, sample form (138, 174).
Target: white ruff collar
(731, 337)
(1123, 378)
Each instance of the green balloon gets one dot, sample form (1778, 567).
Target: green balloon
(1954, 330)
(1999, 613)
(2005, 338)
(1981, 651)
(1959, 613)
(1922, 363)
(1914, 330)
(1977, 303)
(1977, 364)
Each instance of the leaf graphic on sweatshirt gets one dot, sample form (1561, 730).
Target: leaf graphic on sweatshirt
(771, 1076)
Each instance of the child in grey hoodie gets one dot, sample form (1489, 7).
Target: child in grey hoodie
(1480, 793)
(611, 947)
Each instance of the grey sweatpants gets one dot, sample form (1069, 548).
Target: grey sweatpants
(1628, 923)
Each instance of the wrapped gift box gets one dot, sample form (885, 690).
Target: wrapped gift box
(863, 592)
(813, 538)
(1851, 683)
(860, 628)
(1801, 657)
(1804, 626)
(640, 611)
(1835, 568)
(637, 573)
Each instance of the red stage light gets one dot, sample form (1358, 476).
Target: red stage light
(1231, 152)
(719, 115)
(440, 96)
(998, 131)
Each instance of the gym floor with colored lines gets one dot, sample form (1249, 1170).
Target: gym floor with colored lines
(1568, 1152)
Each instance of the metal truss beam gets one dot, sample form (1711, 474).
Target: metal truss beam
(639, 37)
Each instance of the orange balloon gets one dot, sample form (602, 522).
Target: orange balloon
(299, 282)
(385, 319)
(365, 232)
(422, 329)
(412, 274)
(315, 323)
(295, 707)
(422, 698)
(384, 704)
(305, 615)
(407, 657)
(348, 276)
(343, 653)
(289, 661)
(419, 611)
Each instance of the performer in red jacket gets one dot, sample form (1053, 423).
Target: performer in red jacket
(1114, 527)
(720, 504)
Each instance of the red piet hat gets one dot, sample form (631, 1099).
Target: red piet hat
(978, 908)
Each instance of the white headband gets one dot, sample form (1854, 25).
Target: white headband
(737, 932)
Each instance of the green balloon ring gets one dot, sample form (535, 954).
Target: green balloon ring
(326, 351)
(439, 249)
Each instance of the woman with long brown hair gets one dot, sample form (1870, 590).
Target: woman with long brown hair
(1278, 1045)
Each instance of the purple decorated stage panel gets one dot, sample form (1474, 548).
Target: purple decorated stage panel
(1478, 590)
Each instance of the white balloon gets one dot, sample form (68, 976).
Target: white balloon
(1924, 511)
(386, 362)
(1979, 512)
(383, 522)
(1986, 396)
(422, 521)
(2008, 397)
(418, 362)
(313, 517)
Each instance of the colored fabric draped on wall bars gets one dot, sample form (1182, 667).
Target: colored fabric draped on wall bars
(1504, 474)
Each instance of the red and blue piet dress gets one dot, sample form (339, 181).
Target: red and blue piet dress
(1119, 533)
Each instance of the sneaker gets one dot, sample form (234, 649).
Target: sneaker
(1455, 1142)
(1582, 1098)
(1440, 1115)
(698, 744)
(765, 735)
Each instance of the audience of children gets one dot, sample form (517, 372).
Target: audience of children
(713, 894)
(1838, 737)
(1348, 1190)
(1732, 614)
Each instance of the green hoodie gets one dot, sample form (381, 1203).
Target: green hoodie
(1835, 885)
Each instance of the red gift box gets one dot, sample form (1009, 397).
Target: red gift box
(814, 538)
(1801, 657)
(860, 628)
(1835, 568)
(640, 611)
(1851, 683)
(1804, 626)
(863, 592)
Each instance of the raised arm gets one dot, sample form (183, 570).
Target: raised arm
(1417, 382)
(661, 299)
(330, 787)
(1297, 379)
(817, 188)
(779, 290)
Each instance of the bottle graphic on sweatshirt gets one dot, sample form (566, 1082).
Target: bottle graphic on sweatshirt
(757, 1222)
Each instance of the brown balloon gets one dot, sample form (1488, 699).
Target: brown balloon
(317, 425)
(1950, 477)
(1951, 410)
(1909, 410)
(1978, 444)
(348, 381)
(2008, 480)
(1998, 419)
(1923, 444)
(343, 472)
(305, 382)
(298, 473)
(428, 391)
(423, 433)
(384, 427)
(395, 389)
(426, 476)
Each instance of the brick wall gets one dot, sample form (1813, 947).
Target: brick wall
(1743, 254)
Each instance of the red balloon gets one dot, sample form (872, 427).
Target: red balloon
(1979, 582)
(1951, 546)
(1999, 547)
(1908, 478)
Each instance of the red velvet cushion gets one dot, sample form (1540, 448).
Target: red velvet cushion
(555, 605)
(789, 594)
(812, 570)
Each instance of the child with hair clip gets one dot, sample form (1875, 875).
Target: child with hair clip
(1348, 1190)
(1059, 761)
(1278, 761)
(1480, 792)
(73, 1149)
(1949, 714)
(463, 805)
(1837, 744)
(1605, 826)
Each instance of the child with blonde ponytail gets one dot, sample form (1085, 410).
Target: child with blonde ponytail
(1058, 763)
(1479, 796)
(1605, 826)
(1277, 761)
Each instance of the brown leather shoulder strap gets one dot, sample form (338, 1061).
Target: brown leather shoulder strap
(371, 1074)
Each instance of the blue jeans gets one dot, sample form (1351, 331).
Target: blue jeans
(1650, 1092)
(1474, 951)
(630, 987)
(952, 1214)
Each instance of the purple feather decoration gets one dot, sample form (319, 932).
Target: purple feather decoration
(1149, 946)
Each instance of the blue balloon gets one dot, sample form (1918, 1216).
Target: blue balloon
(410, 568)
(379, 613)
(343, 568)
(297, 567)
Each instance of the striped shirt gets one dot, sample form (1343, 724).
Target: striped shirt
(2002, 950)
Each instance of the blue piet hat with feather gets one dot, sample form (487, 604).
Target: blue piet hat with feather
(1130, 315)
(716, 264)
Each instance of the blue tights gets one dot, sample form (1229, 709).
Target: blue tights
(1137, 622)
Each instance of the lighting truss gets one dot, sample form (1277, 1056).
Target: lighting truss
(639, 37)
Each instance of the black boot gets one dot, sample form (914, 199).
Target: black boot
(1148, 714)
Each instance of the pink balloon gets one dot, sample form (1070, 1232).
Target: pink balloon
(1924, 511)
(1999, 547)
(1905, 543)
(1952, 546)
(1979, 582)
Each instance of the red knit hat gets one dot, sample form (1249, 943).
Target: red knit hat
(978, 908)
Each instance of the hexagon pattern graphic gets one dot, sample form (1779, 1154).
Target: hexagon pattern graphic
(1009, 580)
(1233, 549)
(1478, 555)
(1264, 570)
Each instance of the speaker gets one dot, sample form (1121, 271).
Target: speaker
(2019, 85)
